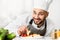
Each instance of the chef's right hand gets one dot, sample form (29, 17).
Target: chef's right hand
(22, 29)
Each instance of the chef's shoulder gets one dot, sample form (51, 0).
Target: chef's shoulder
(51, 24)
(25, 18)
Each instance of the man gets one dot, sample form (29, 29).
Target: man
(38, 23)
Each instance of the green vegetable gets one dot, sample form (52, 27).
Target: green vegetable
(1, 30)
(11, 36)
(2, 36)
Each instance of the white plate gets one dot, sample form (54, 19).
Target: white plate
(32, 38)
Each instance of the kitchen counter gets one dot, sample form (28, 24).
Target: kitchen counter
(32, 38)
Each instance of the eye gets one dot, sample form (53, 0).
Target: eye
(34, 12)
(41, 13)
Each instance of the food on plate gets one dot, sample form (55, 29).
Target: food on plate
(27, 34)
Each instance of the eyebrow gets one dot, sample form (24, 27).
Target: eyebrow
(34, 11)
(41, 12)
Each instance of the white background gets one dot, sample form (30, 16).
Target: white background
(9, 9)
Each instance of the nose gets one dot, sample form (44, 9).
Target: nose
(36, 16)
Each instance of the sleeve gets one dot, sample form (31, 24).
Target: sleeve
(54, 29)
(13, 26)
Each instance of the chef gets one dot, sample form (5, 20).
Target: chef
(38, 23)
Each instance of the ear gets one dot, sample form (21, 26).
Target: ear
(46, 14)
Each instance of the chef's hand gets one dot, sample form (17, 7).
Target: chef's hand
(22, 29)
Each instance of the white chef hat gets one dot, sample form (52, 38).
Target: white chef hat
(42, 4)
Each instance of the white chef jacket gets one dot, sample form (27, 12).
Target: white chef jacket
(24, 20)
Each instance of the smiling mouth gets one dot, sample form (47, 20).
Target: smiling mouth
(36, 20)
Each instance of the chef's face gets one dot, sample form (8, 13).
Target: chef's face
(39, 15)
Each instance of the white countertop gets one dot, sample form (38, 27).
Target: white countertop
(32, 38)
